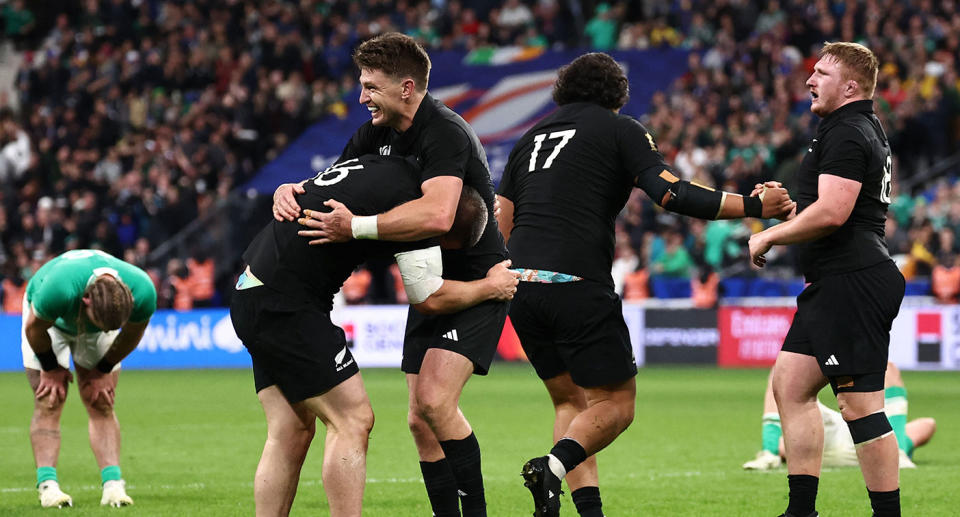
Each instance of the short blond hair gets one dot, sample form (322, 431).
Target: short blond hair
(859, 63)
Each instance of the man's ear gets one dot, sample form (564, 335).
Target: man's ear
(852, 88)
(86, 300)
(408, 87)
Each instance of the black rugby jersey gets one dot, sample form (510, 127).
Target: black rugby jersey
(443, 144)
(367, 185)
(849, 143)
(568, 177)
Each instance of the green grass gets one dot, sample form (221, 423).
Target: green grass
(192, 439)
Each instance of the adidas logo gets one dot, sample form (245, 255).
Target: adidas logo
(550, 494)
(832, 361)
(451, 335)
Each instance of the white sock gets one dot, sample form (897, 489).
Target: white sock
(556, 466)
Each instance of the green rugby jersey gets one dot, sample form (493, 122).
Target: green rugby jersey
(57, 287)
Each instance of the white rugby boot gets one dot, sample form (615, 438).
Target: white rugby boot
(51, 496)
(115, 494)
(765, 460)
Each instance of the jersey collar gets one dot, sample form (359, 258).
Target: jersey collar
(864, 106)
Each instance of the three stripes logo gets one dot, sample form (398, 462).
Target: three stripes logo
(451, 335)
(832, 361)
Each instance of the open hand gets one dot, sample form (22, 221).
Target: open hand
(327, 227)
(53, 385)
(285, 207)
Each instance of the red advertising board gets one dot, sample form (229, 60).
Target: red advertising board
(752, 336)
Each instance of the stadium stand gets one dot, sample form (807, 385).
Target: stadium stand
(131, 126)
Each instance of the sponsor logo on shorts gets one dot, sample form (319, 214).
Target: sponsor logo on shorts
(338, 359)
(832, 361)
(451, 335)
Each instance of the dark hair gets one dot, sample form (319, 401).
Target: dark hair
(396, 55)
(110, 301)
(468, 223)
(593, 77)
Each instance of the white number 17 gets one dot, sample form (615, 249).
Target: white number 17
(564, 137)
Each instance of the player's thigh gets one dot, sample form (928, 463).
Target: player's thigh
(293, 343)
(592, 336)
(796, 377)
(473, 333)
(850, 318)
(442, 377)
(346, 406)
(532, 317)
(563, 391)
(285, 421)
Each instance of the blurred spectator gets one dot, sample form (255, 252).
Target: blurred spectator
(602, 28)
(945, 280)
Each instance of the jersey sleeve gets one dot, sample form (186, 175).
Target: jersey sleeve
(446, 149)
(641, 159)
(144, 296)
(844, 153)
(53, 298)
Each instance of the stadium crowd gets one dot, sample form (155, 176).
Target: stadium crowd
(134, 118)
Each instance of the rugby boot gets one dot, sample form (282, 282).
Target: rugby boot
(544, 485)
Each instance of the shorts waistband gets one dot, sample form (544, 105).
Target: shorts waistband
(246, 280)
(545, 277)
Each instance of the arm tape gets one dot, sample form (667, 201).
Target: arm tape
(421, 271)
(691, 199)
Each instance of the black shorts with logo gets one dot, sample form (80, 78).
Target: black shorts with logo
(574, 327)
(844, 321)
(294, 345)
(473, 333)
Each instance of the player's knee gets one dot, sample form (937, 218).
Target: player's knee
(869, 428)
(418, 426)
(100, 407)
(432, 405)
(627, 412)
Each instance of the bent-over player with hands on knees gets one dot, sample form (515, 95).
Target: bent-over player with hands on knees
(440, 352)
(302, 367)
(95, 308)
(838, 446)
(841, 331)
(565, 182)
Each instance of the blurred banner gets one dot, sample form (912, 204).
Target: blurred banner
(752, 336)
(686, 336)
(922, 337)
(500, 100)
(925, 338)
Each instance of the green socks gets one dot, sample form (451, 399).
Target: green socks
(771, 433)
(895, 405)
(110, 473)
(46, 474)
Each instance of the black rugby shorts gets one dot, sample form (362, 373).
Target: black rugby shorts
(844, 321)
(574, 327)
(294, 345)
(473, 333)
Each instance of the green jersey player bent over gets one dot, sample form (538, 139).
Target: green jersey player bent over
(76, 305)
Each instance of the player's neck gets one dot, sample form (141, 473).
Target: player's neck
(410, 109)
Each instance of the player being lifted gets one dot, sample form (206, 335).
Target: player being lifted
(565, 182)
(406, 121)
(95, 308)
(302, 367)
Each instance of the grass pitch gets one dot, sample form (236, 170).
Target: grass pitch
(192, 439)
